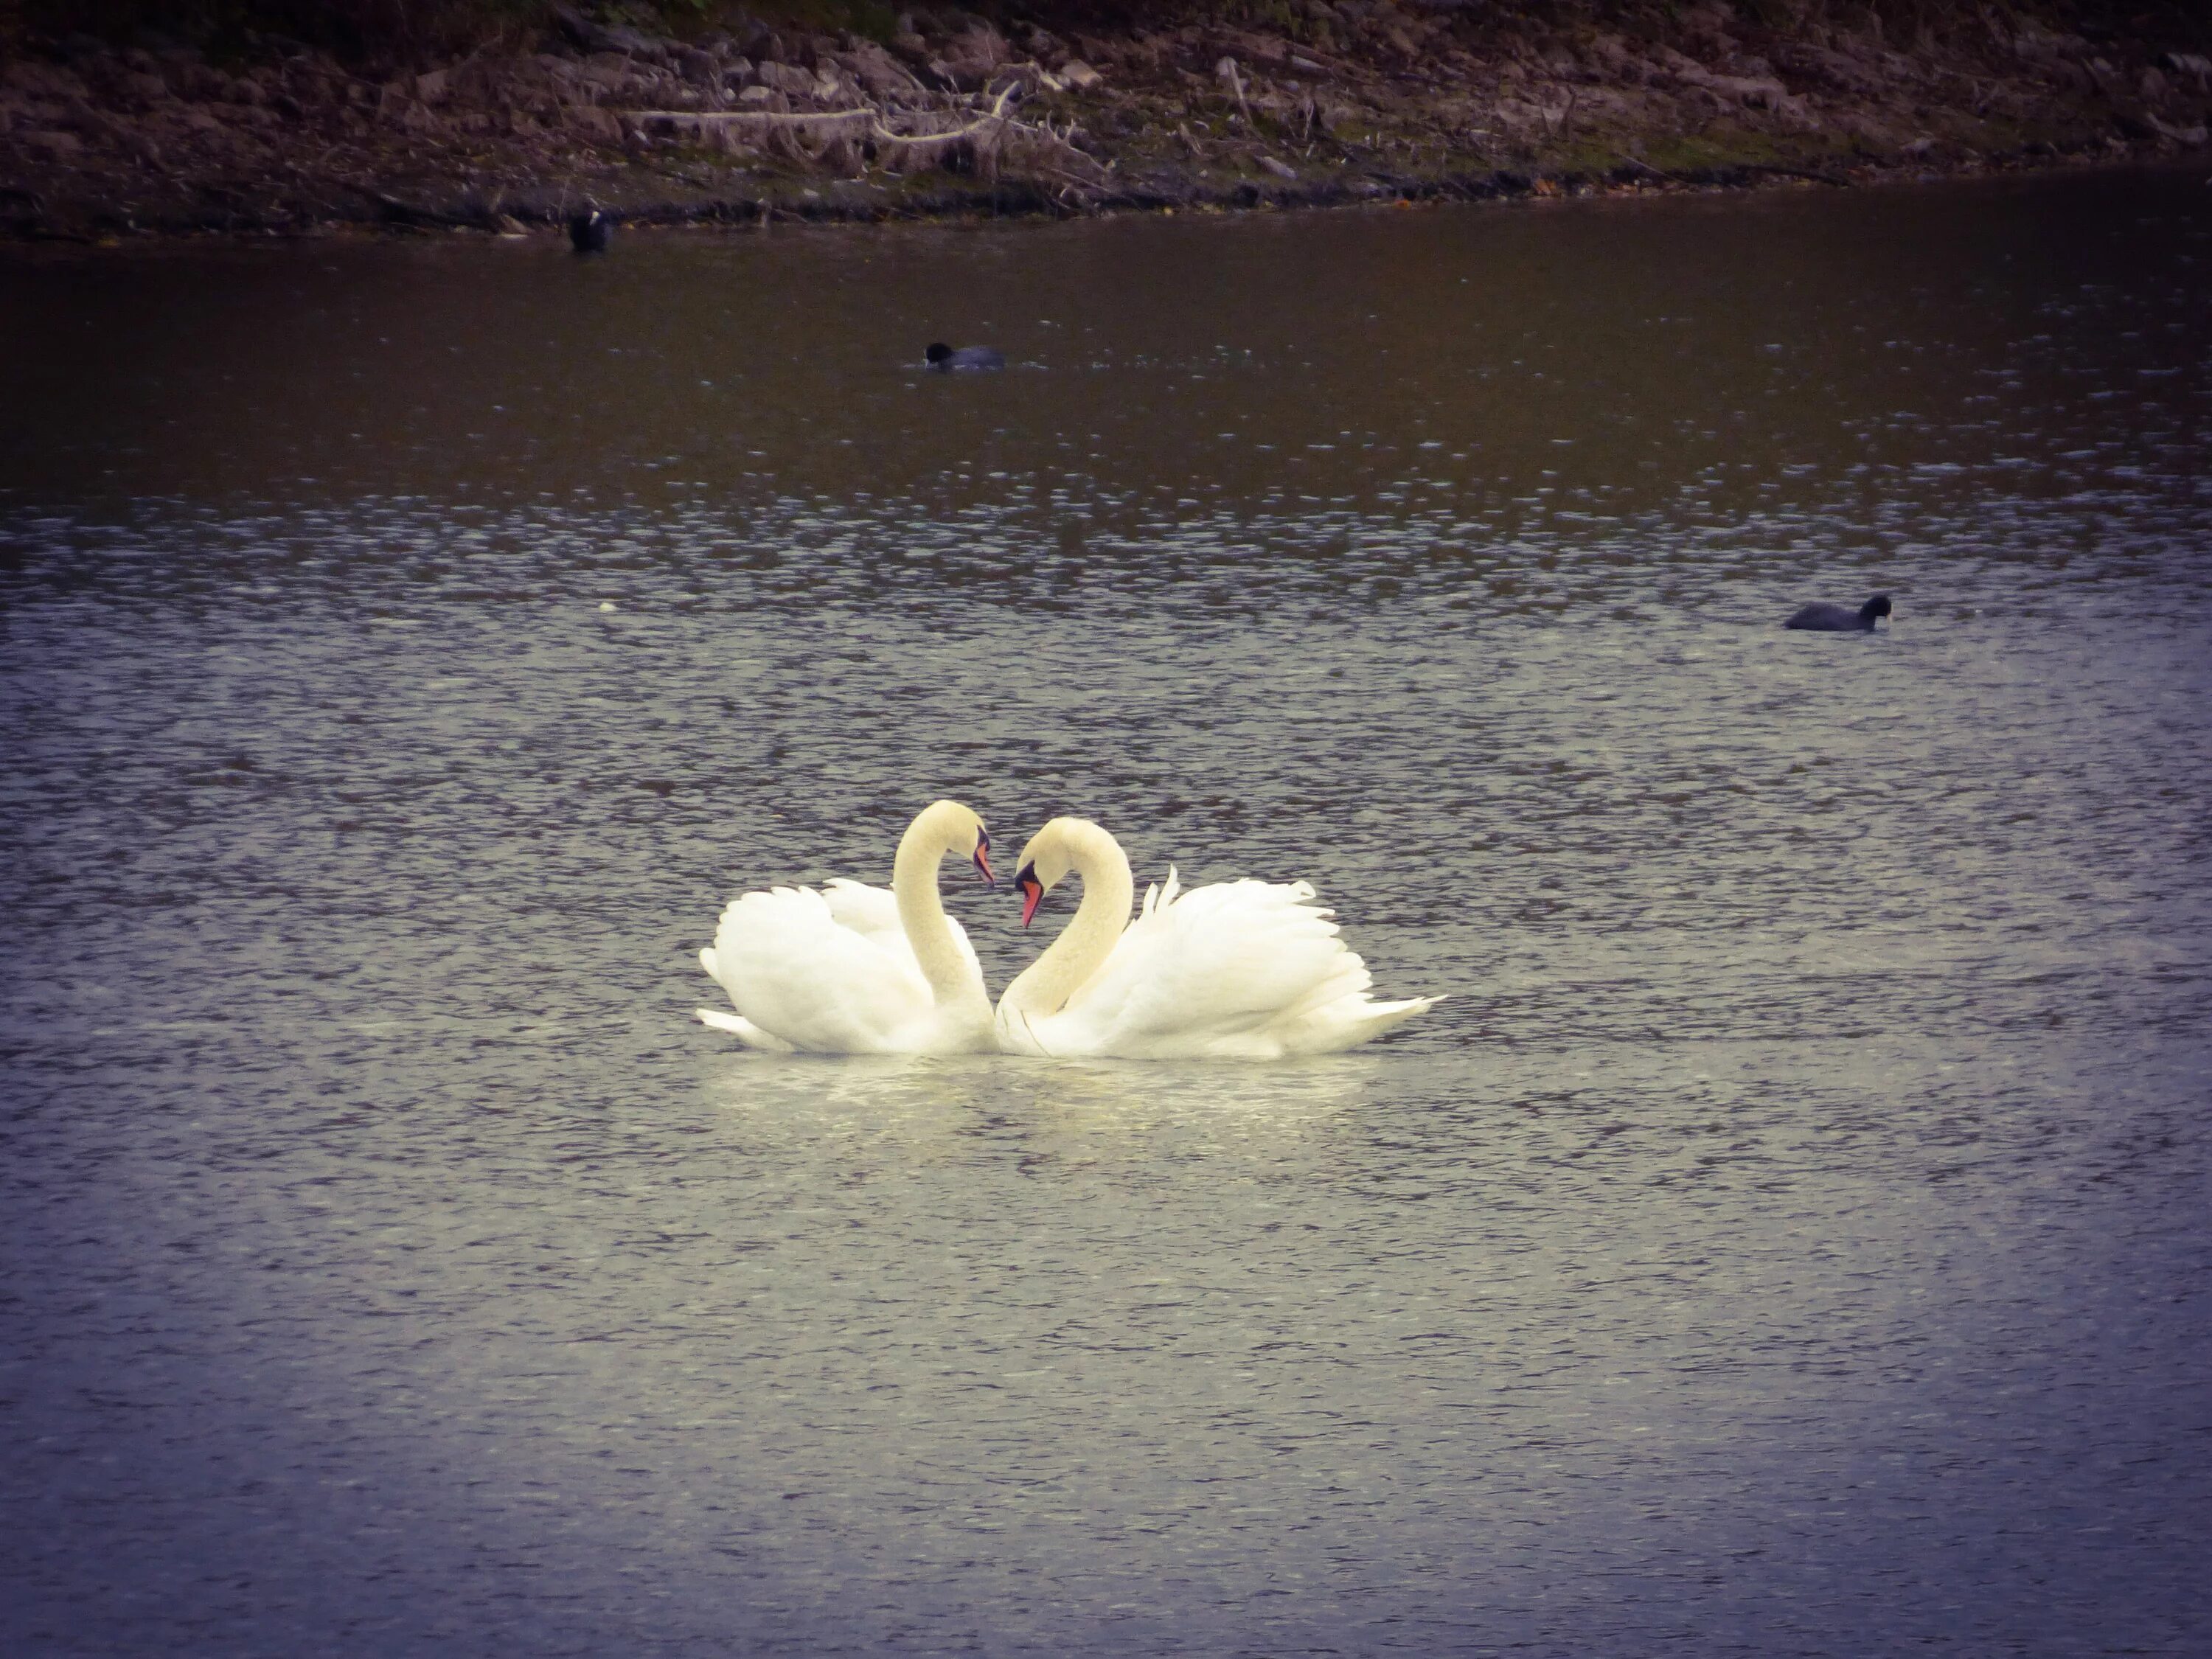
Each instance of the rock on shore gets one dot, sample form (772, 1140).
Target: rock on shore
(1344, 100)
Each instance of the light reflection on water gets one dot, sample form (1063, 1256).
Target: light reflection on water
(1787, 1237)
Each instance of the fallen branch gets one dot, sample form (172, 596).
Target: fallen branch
(982, 139)
(1226, 69)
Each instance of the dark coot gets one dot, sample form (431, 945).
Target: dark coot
(1834, 619)
(943, 357)
(588, 232)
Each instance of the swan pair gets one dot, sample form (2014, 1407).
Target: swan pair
(1241, 970)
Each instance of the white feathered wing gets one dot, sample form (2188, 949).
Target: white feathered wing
(833, 973)
(1237, 971)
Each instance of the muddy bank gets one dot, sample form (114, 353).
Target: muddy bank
(1326, 100)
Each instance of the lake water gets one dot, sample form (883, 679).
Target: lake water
(1790, 1237)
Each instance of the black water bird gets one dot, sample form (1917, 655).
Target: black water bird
(1834, 619)
(944, 358)
(588, 232)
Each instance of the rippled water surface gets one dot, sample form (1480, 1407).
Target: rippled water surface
(1790, 1239)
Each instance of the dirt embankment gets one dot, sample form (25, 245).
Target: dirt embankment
(1329, 100)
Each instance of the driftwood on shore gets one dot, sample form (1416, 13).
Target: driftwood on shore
(844, 140)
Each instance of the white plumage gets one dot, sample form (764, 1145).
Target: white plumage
(854, 969)
(1241, 970)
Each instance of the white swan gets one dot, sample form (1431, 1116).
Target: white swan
(1239, 970)
(854, 969)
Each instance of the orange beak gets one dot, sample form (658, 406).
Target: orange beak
(983, 859)
(1032, 892)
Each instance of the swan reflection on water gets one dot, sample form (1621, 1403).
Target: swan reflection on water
(928, 1095)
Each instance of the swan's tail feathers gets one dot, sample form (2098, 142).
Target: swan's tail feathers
(1342, 978)
(1352, 1021)
(714, 967)
(745, 1031)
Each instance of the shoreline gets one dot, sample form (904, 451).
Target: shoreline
(1359, 102)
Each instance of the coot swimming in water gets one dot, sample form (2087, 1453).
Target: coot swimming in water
(588, 232)
(943, 357)
(1834, 619)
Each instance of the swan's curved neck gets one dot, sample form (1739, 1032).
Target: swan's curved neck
(920, 908)
(1087, 940)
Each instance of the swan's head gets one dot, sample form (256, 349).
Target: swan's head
(1045, 863)
(938, 352)
(1876, 606)
(948, 826)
